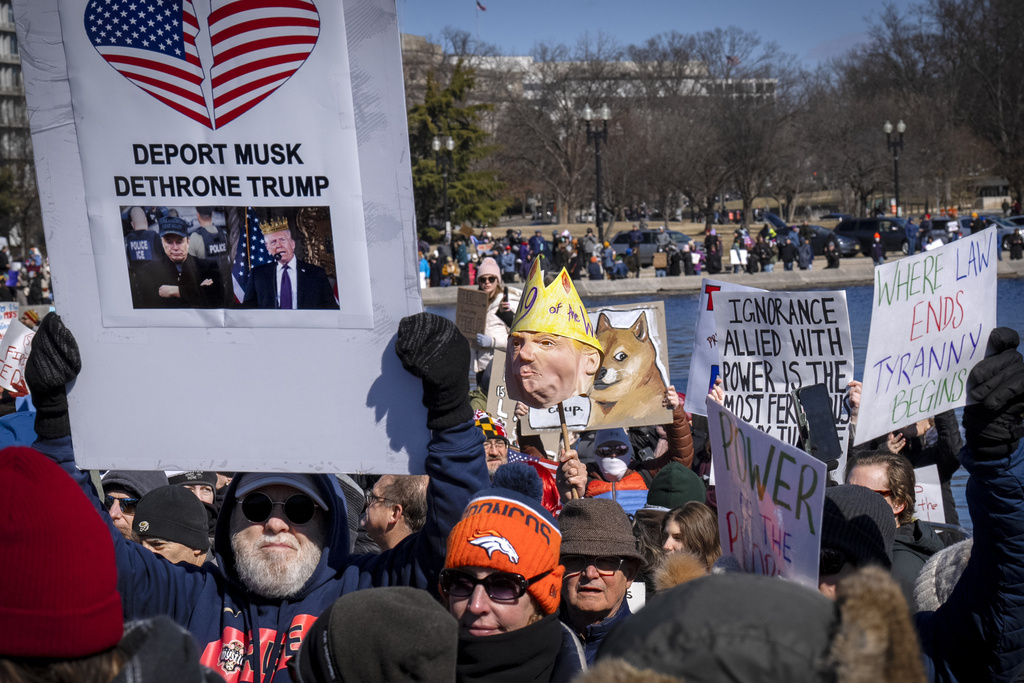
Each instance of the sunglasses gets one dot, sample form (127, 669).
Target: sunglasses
(127, 504)
(605, 566)
(487, 278)
(500, 586)
(612, 451)
(299, 508)
(830, 561)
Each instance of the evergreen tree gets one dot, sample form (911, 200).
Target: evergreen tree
(474, 193)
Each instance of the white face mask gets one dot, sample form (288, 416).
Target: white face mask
(613, 469)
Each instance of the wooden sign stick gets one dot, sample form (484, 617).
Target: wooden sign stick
(565, 441)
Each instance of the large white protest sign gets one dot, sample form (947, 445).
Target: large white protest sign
(237, 119)
(770, 499)
(315, 140)
(772, 343)
(930, 321)
(704, 363)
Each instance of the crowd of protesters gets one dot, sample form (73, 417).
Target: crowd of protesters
(507, 562)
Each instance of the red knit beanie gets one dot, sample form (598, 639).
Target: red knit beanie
(59, 577)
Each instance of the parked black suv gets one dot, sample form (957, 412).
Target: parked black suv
(891, 229)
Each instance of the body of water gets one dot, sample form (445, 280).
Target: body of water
(681, 310)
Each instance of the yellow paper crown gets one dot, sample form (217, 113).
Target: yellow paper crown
(555, 309)
(274, 225)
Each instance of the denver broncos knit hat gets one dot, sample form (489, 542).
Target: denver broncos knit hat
(510, 531)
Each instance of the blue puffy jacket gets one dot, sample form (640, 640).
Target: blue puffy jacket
(244, 637)
(978, 633)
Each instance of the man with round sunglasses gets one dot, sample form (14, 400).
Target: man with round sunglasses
(282, 542)
(502, 582)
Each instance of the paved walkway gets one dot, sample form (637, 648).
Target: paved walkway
(852, 272)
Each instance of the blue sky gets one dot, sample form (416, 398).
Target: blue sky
(810, 29)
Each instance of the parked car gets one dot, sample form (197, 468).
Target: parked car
(846, 246)
(891, 229)
(1017, 220)
(1006, 228)
(649, 245)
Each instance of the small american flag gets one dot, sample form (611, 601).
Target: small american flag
(257, 46)
(152, 43)
(252, 252)
(732, 60)
(516, 456)
(480, 6)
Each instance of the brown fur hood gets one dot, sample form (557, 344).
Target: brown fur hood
(740, 627)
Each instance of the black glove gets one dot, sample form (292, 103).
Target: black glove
(432, 348)
(53, 362)
(993, 424)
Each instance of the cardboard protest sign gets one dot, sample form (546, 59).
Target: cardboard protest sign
(928, 495)
(704, 363)
(471, 312)
(774, 342)
(770, 500)
(660, 260)
(630, 385)
(499, 405)
(14, 351)
(930, 320)
(309, 128)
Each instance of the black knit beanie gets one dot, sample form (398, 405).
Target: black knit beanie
(858, 522)
(380, 634)
(172, 513)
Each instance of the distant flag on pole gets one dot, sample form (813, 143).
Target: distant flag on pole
(480, 6)
(732, 60)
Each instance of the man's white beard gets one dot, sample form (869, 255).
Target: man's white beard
(271, 575)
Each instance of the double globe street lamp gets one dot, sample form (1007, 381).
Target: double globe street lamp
(895, 145)
(446, 142)
(596, 137)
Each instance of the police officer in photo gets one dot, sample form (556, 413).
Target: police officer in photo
(209, 241)
(142, 245)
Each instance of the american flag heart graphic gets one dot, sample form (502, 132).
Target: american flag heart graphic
(256, 46)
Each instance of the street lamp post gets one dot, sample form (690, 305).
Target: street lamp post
(895, 145)
(596, 136)
(445, 160)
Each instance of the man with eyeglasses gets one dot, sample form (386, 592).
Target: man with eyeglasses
(122, 491)
(396, 507)
(601, 560)
(502, 581)
(495, 440)
(892, 476)
(282, 543)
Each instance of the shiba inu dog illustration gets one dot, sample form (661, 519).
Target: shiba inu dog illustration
(629, 385)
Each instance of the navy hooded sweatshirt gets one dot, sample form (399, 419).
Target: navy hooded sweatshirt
(245, 637)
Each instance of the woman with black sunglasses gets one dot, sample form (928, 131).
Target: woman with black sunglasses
(501, 307)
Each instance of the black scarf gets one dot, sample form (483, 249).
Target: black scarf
(527, 654)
